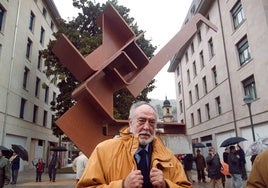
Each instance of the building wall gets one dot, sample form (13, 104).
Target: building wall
(14, 35)
(234, 117)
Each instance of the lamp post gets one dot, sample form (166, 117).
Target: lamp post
(248, 100)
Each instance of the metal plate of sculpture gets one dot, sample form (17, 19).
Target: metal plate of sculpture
(117, 63)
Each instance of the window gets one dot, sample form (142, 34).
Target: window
(243, 50)
(44, 12)
(35, 113)
(45, 118)
(199, 115)
(179, 87)
(205, 87)
(192, 47)
(197, 92)
(42, 35)
(22, 107)
(37, 87)
(202, 62)
(181, 107)
(188, 76)
(237, 14)
(2, 13)
(39, 63)
(25, 77)
(211, 48)
(53, 124)
(32, 20)
(51, 25)
(218, 104)
(207, 111)
(190, 98)
(46, 94)
(214, 75)
(192, 119)
(178, 70)
(28, 48)
(40, 142)
(52, 119)
(199, 37)
(186, 56)
(250, 87)
(194, 69)
(54, 97)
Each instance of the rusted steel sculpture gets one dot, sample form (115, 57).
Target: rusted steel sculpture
(117, 63)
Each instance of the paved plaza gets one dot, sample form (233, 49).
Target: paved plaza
(26, 179)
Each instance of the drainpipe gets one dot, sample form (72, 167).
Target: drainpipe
(10, 74)
(228, 71)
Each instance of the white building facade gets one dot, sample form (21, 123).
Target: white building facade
(216, 70)
(25, 92)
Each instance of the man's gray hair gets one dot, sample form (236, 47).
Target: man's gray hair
(136, 105)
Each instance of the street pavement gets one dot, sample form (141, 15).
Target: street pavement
(26, 179)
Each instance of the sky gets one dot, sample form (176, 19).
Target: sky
(160, 19)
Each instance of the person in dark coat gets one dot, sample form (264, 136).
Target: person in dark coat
(235, 168)
(52, 166)
(5, 170)
(242, 161)
(214, 168)
(15, 166)
(225, 159)
(200, 166)
(188, 165)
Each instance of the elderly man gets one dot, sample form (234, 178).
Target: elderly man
(136, 159)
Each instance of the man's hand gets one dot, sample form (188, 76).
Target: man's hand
(134, 179)
(157, 178)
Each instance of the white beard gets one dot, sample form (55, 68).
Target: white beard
(144, 142)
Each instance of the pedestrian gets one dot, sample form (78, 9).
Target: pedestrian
(39, 170)
(259, 172)
(242, 161)
(235, 168)
(188, 165)
(15, 166)
(137, 158)
(200, 166)
(214, 168)
(5, 170)
(53, 165)
(225, 159)
(79, 165)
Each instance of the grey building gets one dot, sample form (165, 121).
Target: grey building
(25, 92)
(216, 70)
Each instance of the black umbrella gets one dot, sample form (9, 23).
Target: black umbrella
(3, 148)
(198, 145)
(232, 141)
(22, 153)
(58, 148)
(6, 152)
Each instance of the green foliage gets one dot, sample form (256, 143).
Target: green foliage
(86, 36)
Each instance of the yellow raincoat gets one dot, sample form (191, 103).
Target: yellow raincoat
(258, 177)
(113, 159)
